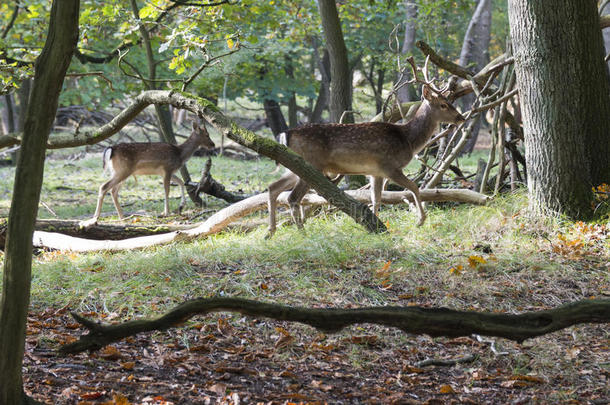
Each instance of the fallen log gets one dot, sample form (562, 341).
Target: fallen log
(103, 231)
(416, 320)
(221, 219)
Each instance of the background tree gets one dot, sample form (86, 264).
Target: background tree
(565, 99)
(475, 55)
(340, 77)
(407, 92)
(50, 70)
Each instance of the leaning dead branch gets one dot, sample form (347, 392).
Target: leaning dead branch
(210, 186)
(416, 320)
(223, 218)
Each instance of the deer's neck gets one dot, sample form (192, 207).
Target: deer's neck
(188, 148)
(421, 128)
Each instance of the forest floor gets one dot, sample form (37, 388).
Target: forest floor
(490, 258)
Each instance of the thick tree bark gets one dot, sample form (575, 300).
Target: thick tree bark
(50, 69)
(565, 101)
(406, 92)
(340, 74)
(417, 320)
(475, 55)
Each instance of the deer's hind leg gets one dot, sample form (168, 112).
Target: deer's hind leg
(377, 184)
(294, 200)
(399, 178)
(113, 184)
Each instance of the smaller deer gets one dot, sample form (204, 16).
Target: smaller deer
(379, 150)
(164, 159)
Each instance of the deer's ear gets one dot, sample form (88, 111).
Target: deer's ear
(426, 93)
(195, 126)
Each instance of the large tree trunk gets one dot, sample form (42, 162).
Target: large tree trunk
(50, 69)
(406, 92)
(475, 55)
(340, 75)
(565, 102)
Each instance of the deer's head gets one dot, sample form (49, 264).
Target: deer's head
(203, 137)
(442, 109)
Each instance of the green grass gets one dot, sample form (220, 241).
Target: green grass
(333, 261)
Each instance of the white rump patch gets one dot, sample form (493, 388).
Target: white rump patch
(107, 161)
(283, 138)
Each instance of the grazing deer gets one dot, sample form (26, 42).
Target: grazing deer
(380, 150)
(164, 159)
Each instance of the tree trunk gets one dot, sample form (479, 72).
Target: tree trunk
(10, 114)
(406, 93)
(10, 122)
(275, 118)
(324, 92)
(292, 98)
(50, 69)
(565, 106)
(475, 55)
(340, 75)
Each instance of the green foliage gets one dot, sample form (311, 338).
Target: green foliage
(276, 41)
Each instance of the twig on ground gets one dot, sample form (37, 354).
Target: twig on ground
(446, 362)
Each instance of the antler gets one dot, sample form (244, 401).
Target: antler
(427, 80)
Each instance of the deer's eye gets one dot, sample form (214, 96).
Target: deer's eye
(444, 106)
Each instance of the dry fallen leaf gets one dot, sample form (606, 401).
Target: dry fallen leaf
(110, 353)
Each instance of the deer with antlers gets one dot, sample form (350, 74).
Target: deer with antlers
(379, 150)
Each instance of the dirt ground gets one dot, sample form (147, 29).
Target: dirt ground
(242, 360)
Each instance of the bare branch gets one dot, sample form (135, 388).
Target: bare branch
(417, 320)
(100, 74)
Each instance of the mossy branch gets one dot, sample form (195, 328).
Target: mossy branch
(416, 320)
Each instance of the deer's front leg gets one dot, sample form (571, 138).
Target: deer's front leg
(166, 179)
(181, 184)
